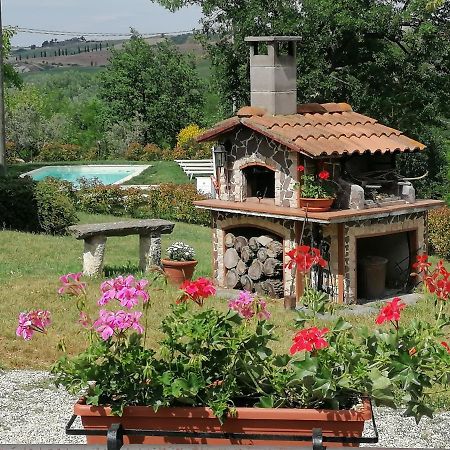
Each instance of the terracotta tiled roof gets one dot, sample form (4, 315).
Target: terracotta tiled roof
(320, 130)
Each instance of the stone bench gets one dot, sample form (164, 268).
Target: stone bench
(95, 235)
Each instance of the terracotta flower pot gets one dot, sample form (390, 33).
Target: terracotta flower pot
(178, 271)
(285, 421)
(316, 204)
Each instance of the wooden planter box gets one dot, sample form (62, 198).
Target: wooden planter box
(282, 421)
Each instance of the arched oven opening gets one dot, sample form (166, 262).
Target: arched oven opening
(260, 182)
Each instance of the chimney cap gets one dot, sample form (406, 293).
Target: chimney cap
(272, 38)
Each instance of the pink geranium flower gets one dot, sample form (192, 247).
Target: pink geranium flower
(128, 297)
(33, 321)
(127, 290)
(110, 322)
(71, 284)
(248, 305)
(85, 320)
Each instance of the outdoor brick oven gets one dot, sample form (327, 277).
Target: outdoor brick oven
(256, 217)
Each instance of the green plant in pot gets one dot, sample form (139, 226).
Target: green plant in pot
(316, 192)
(180, 264)
(214, 370)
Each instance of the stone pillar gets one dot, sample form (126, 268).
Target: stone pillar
(94, 251)
(149, 251)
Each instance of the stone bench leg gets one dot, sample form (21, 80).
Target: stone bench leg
(149, 251)
(94, 251)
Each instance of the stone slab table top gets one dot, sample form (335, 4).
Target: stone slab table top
(122, 228)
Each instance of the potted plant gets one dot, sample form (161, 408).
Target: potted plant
(215, 371)
(315, 191)
(180, 264)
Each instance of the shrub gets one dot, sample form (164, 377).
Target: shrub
(29, 206)
(439, 231)
(186, 140)
(170, 202)
(18, 206)
(56, 207)
(175, 202)
(59, 152)
(133, 151)
(12, 156)
(151, 152)
(137, 152)
(93, 197)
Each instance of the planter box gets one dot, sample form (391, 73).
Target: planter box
(283, 421)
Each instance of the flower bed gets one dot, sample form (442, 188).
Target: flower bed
(223, 360)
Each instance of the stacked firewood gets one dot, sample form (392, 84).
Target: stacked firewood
(254, 264)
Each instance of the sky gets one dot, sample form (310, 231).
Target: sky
(108, 16)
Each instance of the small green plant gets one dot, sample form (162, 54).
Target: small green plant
(318, 302)
(179, 251)
(312, 186)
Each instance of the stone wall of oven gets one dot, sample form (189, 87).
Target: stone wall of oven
(225, 222)
(246, 147)
(367, 228)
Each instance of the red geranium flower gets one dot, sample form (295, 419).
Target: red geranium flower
(446, 346)
(304, 257)
(197, 290)
(309, 339)
(421, 264)
(301, 168)
(324, 175)
(436, 281)
(391, 311)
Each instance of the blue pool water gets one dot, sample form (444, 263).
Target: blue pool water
(105, 174)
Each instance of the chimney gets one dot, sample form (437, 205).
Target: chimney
(273, 73)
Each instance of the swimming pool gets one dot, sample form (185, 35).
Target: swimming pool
(107, 174)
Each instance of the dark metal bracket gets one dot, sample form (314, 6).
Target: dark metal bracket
(114, 437)
(317, 439)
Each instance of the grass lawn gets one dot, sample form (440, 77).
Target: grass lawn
(30, 265)
(160, 172)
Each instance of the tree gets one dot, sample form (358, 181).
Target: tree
(156, 84)
(387, 59)
(11, 77)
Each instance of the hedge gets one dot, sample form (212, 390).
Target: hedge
(169, 201)
(47, 206)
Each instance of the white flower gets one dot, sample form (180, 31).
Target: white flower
(179, 251)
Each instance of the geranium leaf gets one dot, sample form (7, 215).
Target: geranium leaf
(265, 402)
(341, 325)
(305, 368)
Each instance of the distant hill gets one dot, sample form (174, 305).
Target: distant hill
(80, 53)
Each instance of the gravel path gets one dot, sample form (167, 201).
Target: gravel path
(35, 411)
